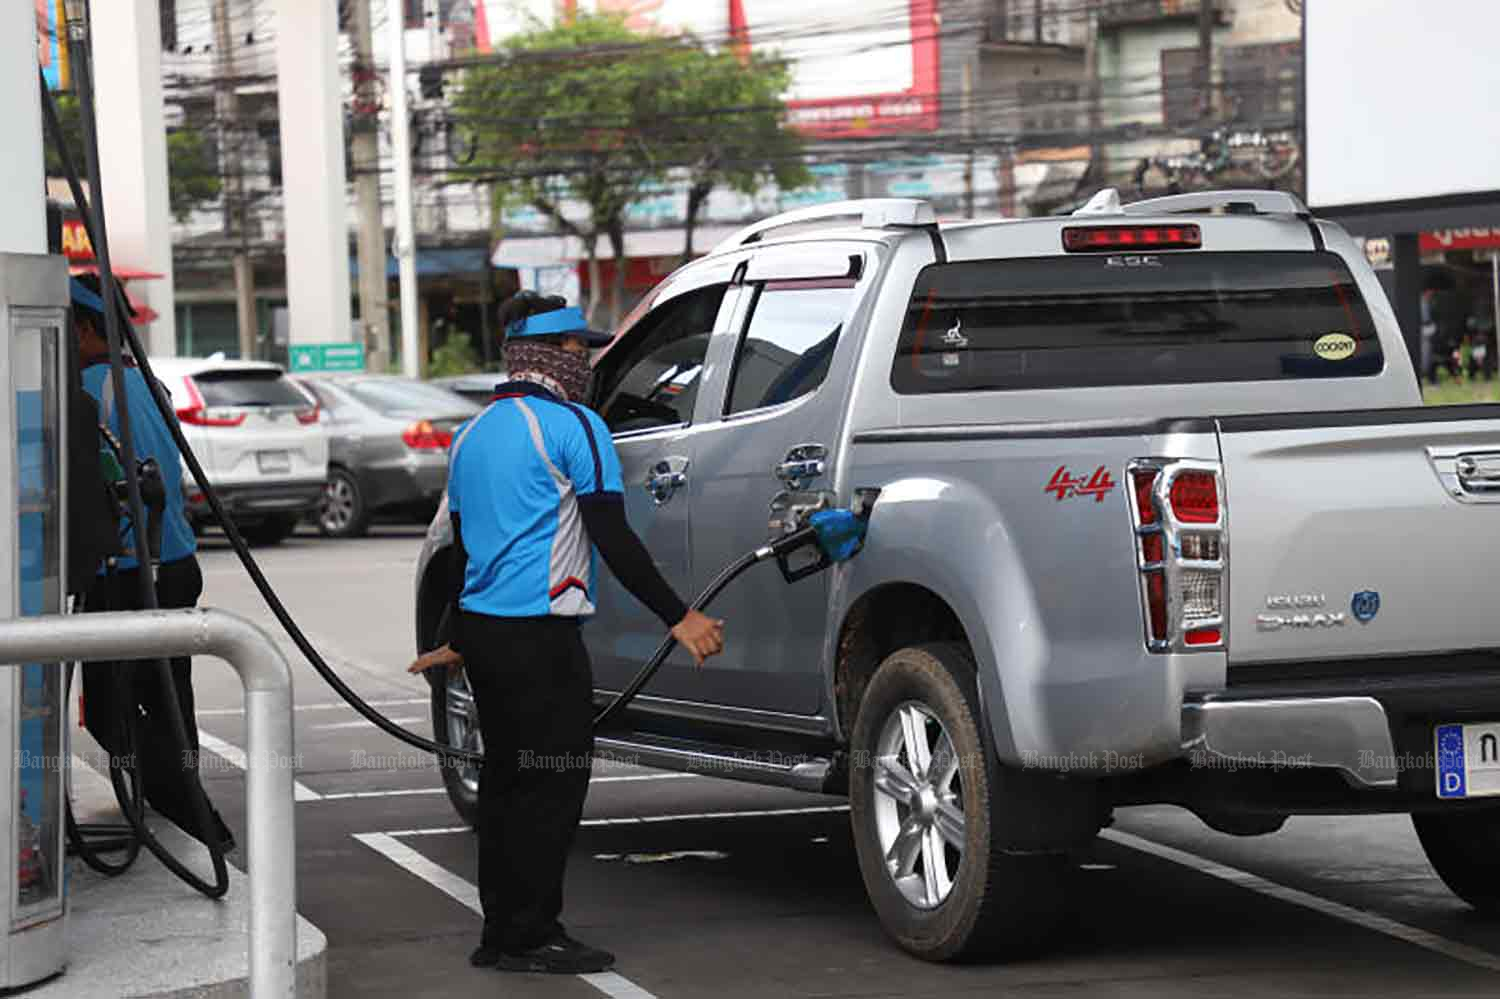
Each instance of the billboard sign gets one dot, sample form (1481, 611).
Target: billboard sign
(52, 43)
(859, 68)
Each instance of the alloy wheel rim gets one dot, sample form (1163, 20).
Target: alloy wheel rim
(338, 504)
(463, 727)
(918, 807)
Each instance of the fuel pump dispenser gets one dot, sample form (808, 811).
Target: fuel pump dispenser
(33, 733)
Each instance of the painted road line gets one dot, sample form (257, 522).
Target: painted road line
(235, 756)
(401, 793)
(410, 792)
(362, 723)
(404, 702)
(610, 983)
(642, 819)
(1349, 914)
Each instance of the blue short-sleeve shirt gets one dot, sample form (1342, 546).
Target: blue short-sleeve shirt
(153, 439)
(516, 474)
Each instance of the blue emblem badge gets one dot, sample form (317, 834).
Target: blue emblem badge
(1365, 605)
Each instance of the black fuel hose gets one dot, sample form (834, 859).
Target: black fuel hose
(284, 618)
(647, 671)
(114, 312)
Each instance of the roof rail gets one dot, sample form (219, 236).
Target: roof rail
(1259, 202)
(873, 213)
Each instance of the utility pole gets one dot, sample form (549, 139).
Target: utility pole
(968, 126)
(373, 300)
(1205, 58)
(437, 151)
(406, 250)
(1098, 169)
(226, 111)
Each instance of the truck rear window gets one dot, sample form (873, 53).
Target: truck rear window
(264, 387)
(1167, 318)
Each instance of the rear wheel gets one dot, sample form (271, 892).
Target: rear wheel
(455, 722)
(342, 513)
(272, 530)
(1464, 849)
(924, 794)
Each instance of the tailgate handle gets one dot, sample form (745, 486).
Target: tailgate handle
(1478, 473)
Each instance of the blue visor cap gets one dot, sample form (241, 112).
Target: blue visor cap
(83, 298)
(558, 322)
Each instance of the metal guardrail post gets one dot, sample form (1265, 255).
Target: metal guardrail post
(267, 679)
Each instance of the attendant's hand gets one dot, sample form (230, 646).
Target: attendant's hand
(702, 636)
(439, 658)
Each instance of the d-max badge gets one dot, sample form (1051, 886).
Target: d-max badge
(1365, 605)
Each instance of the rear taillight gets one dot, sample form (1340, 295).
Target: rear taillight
(197, 414)
(1177, 514)
(306, 416)
(423, 436)
(1103, 238)
(1195, 498)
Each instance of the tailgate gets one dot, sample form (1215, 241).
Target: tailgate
(1362, 533)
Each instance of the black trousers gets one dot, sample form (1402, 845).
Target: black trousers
(533, 687)
(112, 693)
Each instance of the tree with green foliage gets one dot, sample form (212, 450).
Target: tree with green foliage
(192, 170)
(589, 111)
(728, 131)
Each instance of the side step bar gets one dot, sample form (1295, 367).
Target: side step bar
(800, 772)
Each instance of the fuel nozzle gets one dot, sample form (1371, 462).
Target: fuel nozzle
(837, 534)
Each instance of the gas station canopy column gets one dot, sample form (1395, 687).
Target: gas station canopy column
(312, 151)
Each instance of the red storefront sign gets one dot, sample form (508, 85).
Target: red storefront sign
(1459, 239)
(75, 241)
(641, 273)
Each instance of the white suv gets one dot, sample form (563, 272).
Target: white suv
(257, 437)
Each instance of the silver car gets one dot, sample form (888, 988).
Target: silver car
(388, 443)
(1156, 516)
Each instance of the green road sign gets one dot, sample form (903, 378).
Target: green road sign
(326, 357)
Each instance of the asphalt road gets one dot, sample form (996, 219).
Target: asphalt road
(715, 888)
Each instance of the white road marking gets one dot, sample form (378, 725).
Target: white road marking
(331, 706)
(361, 723)
(610, 983)
(403, 793)
(235, 756)
(641, 819)
(408, 792)
(1349, 914)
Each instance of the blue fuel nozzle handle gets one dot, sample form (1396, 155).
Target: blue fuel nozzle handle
(837, 534)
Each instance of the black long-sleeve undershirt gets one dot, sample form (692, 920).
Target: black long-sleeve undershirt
(604, 519)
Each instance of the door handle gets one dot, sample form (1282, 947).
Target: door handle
(665, 478)
(1478, 473)
(803, 463)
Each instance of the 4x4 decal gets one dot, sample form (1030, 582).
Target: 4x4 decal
(1066, 486)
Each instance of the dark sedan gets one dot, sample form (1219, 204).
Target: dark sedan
(388, 443)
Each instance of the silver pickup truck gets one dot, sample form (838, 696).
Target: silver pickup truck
(1155, 516)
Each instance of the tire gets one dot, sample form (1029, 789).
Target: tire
(342, 512)
(998, 904)
(1464, 849)
(461, 782)
(271, 531)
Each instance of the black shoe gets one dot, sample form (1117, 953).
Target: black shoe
(485, 956)
(561, 955)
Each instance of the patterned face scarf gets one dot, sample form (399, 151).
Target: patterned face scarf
(559, 371)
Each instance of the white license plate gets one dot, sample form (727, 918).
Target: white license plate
(273, 462)
(1468, 760)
